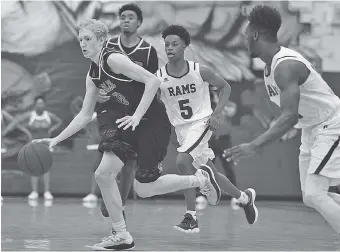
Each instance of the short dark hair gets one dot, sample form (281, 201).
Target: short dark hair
(265, 19)
(39, 97)
(132, 7)
(178, 30)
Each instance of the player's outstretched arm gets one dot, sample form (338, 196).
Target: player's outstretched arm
(82, 118)
(286, 75)
(121, 64)
(217, 81)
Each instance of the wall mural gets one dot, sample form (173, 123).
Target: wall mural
(42, 55)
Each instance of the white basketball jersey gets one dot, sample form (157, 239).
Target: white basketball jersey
(317, 100)
(186, 98)
(40, 121)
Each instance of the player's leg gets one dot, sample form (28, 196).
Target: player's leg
(246, 198)
(152, 146)
(105, 176)
(196, 144)
(117, 146)
(323, 169)
(47, 193)
(190, 223)
(34, 183)
(316, 196)
(127, 176)
(218, 145)
(335, 197)
(126, 179)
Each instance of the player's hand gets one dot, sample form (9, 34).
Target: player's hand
(102, 97)
(51, 142)
(240, 151)
(214, 121)
(128, 121)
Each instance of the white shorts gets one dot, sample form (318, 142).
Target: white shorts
(193, 139)
(320, 150)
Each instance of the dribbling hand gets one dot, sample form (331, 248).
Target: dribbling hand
(48, 141)
(128, 121)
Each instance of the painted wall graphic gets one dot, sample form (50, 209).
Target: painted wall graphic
(41, 55)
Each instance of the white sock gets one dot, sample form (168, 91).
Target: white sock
(193, 214)
(123, 207)
(119, 227)
(243, 199)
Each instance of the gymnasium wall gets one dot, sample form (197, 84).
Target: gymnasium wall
(43, 57)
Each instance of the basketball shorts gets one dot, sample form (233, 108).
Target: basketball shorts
(320, 150)
(152, 140)
(193, 139)
(112, 139)
(147, 144)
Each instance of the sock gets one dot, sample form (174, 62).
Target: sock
(243, 199)
(193, 214)
(123, 207)
(119, 227)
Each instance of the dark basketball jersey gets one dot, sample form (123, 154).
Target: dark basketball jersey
(125, 93)
(139, 54)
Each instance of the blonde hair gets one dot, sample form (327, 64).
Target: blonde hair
(97, 27)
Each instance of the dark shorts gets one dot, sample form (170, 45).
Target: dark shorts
(147, 144)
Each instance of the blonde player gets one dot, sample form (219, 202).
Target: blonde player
(185, 93)
(129, 106)
(306, 102)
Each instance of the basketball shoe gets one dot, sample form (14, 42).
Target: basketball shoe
(250, 209)
(116, 241)
(188, 225)
(48, 195)
(210, 188)
(33, 195)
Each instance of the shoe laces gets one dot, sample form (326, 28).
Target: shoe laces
(205, 190)
(112, 238)
(187, 219)
(113, 233)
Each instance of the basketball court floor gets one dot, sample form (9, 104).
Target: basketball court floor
(67, 224)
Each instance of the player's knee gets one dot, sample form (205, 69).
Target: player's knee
(100, 175)
(312, 198)
(104, 173)
(307, 200)
(184, 164)
(143, 190)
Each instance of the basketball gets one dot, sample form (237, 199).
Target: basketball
(35, 159)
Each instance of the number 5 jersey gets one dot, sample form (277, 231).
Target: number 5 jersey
(186, 98)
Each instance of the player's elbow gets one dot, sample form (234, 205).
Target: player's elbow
(152, 83)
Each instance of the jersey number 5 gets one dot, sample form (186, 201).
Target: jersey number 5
(186, 110)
